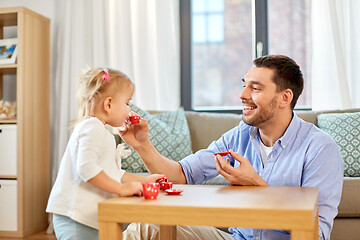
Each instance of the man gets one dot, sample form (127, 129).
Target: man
(271, 146)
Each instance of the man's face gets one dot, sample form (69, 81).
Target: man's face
(259, 97)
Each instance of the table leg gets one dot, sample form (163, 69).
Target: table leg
(167, 232)
(110, 231)
(316, 232)
(303, 235)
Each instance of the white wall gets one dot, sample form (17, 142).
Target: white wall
(43, 7)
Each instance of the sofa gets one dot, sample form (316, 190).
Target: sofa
(207, 127)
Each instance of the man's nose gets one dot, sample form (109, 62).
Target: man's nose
(245, 94)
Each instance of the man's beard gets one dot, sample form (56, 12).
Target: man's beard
(264, 114)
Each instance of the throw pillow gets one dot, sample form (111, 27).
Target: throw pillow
(345, 129)
(168, 132)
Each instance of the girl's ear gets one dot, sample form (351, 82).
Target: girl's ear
(286, 98)
(107, 104)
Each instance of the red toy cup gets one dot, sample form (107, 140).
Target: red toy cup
(160, 180)
(222, 153)
(166, 185)
(135, 119)
(150, 190)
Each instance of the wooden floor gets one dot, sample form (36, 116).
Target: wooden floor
(37, 236)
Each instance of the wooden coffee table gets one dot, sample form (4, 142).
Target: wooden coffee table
(294, 209)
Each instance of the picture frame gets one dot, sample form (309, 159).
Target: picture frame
(8, 51)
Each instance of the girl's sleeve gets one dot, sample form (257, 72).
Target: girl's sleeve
(89, 150)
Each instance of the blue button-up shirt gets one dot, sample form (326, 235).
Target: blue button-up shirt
(304, 156)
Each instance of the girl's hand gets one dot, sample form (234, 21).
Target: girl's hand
(131, 189)
(136, 135)
(154, 177)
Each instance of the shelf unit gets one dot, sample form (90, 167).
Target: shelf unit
(28, 189)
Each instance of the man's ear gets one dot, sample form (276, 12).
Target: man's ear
(107, 104)
(286, 97)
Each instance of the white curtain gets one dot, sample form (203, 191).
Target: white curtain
(336, 54)
(139, 37)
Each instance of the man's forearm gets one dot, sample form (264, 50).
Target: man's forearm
(156, 163)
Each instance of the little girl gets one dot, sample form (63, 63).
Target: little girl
(88, 171)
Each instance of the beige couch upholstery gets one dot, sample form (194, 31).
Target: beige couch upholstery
(207, 127)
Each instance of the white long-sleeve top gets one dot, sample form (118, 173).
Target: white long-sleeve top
(90, 150)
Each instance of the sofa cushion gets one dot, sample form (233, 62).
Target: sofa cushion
(208, 127)
(345, 228)
(168, 132)
(345, 129)
(307, 116)
(350, 198)
(311, 116)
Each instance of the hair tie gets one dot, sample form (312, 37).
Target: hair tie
(105, 76)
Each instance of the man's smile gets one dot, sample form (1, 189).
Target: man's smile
(248, 108)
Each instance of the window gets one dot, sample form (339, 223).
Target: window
(207, 21)
(289, 24)
(219, 40)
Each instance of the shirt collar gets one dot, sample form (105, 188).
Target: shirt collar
(288, 136)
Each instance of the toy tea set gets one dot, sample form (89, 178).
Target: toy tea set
(151, 190)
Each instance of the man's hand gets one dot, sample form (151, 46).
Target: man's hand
(244, 175)
(154, 177)
(137, 134)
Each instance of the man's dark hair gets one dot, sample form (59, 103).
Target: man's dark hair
(287, 74)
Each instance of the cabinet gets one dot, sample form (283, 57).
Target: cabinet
(8, 205)
(25, 141)
(8, 135)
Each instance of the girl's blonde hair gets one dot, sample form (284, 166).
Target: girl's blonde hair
(96, 84)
